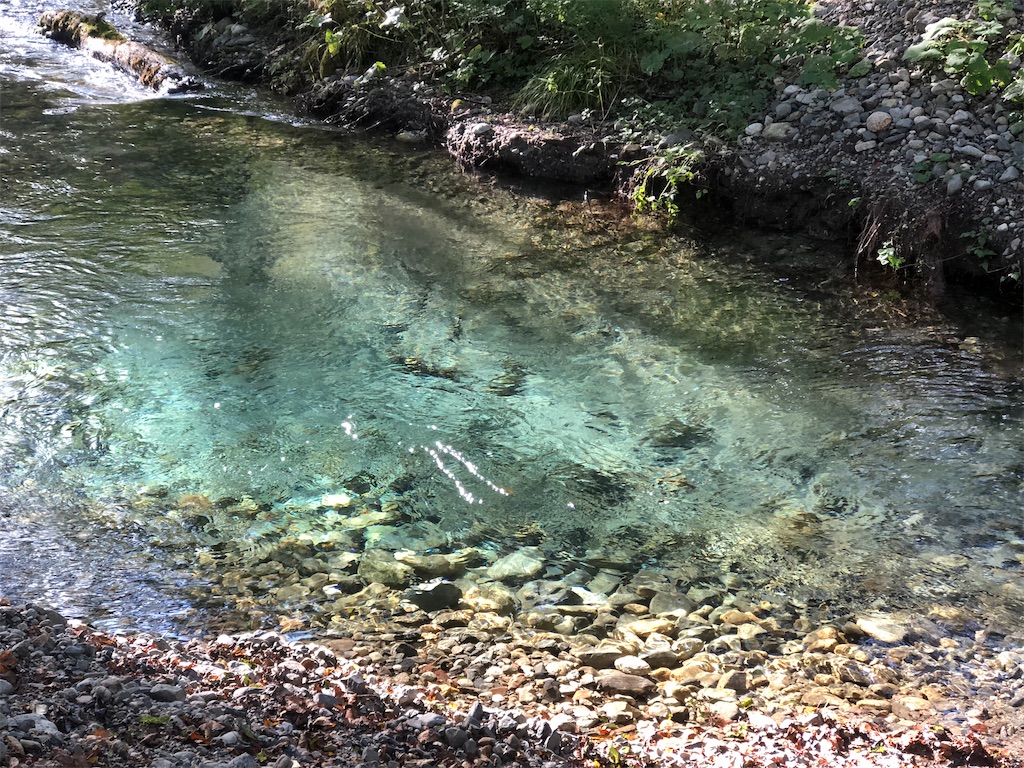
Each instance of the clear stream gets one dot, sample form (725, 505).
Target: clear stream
(203, 299)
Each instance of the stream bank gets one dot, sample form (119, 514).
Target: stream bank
(72, 696)
(901, 163)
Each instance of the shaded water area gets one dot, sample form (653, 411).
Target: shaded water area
(238, 353)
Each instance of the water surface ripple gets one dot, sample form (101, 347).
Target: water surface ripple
(212, 319)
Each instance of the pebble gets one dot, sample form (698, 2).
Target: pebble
(632, 665)
(877, 122)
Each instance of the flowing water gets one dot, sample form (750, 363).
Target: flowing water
(215, 317)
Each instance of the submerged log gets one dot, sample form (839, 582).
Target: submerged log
(97, 36)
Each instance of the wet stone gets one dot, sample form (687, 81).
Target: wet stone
(434, 595)
(518, 566)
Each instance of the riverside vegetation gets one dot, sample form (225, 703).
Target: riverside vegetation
(693, 97)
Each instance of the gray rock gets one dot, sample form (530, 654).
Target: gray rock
(456, 737)
(615, 682)
(982, 184)
(481, 129)
(776, 131)
(230, 739)
(243, 761)
(5, 688)
(1010, 174)
(33, 722)
(475, 716)
(954, 185)
(754, 129)
(847, 105)
(970, 151)
(166, 693)
(426, 720)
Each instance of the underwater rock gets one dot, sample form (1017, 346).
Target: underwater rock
(521, 565)
(671, 602)
(679, 435)
(335, 500)
(379, 566)
(449, 565)
(490, 598)
(365, 517)
(603, 655)
(643, 628)
(434, 595)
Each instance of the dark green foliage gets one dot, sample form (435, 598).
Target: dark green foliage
(565, 56)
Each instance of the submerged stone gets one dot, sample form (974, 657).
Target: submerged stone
(452, 564)
(519, 566)
(379, 566)
(434, 595)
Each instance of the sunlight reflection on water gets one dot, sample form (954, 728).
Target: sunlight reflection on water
(239, 318)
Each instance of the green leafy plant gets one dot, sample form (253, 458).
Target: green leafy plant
(976, 243)
(658, 182)
(933, 167)
(963, 48)
(888, 256)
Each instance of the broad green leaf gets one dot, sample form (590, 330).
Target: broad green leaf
(925, 51)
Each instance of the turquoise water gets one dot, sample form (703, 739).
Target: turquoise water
(214, 317)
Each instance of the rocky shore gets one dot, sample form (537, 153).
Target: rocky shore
(902, 159)
(669, 688)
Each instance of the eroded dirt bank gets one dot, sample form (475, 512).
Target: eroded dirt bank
(899, 161)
